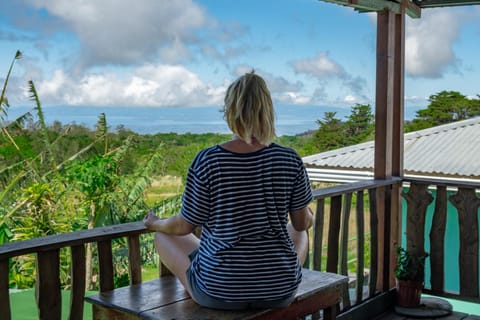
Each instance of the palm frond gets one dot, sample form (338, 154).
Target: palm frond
(11, 184)
(3, 99)
(41, 119)
(76, 155)
(144, 177)
(102, 130)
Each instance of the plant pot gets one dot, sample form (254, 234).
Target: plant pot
(409, 293)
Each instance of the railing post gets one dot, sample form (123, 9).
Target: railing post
(134, 259)
(467, 205)
(333, 233)
(437, 240)
(78, 282)
(318, 234)
(48, 297)
(105, 265)
(4, 293)
(360, 219)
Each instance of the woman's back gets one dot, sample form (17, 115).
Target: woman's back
(243, 200)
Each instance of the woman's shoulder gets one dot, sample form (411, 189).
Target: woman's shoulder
(205, 155)
(288, 150)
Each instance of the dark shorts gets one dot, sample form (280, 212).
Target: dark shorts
(207, 301)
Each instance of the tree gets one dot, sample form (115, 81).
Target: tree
(330, 134)
(359, 126)
(445, 107)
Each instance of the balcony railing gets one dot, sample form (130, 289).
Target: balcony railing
(450, 209)
(345, 240)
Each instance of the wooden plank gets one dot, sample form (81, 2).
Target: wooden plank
(48, 296)
(105, 264)
(6, 312)
(339, 190)
(318, 234)
(372, 194)
(140, 297)
(317, 290)
(437, 240)
(13, 249)
(347, 198)
(134, 259)
(360, 229)
(166, 298)
(102, 313)
(333, 234)
(467, 204)
(78, 282)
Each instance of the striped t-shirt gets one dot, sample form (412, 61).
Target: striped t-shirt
(242, 201)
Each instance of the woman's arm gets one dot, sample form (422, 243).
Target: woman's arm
(174, 225)
(301, 219)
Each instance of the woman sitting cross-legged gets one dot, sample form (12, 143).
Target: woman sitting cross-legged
(243, 194)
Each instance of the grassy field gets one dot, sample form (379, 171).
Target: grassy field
(24, 307)
(162, 188)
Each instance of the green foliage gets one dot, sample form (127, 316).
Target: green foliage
(409, 266)
(330, 134)
(359, 126)
(333, 133)
(445, 107)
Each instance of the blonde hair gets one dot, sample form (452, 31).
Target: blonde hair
(248, 109)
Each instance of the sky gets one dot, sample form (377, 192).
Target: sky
(155, 53)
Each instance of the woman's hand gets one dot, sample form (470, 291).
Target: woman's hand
(150, 219)
(174, 225)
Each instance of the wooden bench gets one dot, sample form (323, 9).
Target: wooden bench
(165, 298)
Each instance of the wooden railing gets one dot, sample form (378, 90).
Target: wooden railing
(47, 250)
(336, 215)
(446, 206)
(345, 218)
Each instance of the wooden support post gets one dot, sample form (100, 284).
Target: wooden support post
(78, 282)
(4, 293)
(467, 204)
(47, 294)
(333, 234)
(389, 136)
(318, 234)
(105, 263)
(134, 259)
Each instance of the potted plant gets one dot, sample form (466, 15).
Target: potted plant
(409, 273)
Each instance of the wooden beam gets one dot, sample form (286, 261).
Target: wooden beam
(412, 9)
(445, 3)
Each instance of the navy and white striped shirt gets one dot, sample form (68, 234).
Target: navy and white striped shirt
(242, 201)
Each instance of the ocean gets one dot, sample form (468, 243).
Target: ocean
(290, 119)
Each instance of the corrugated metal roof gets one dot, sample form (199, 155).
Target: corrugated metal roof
(451, 150)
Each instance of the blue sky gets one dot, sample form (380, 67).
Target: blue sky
(185, 53)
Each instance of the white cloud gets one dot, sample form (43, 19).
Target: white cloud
(125, 32)
(320, 67)
(429, 42)
(351, 99)
(415, 101)
(149, 85)
(293, 98)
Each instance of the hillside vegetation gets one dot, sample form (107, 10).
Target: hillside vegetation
(64, 177)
